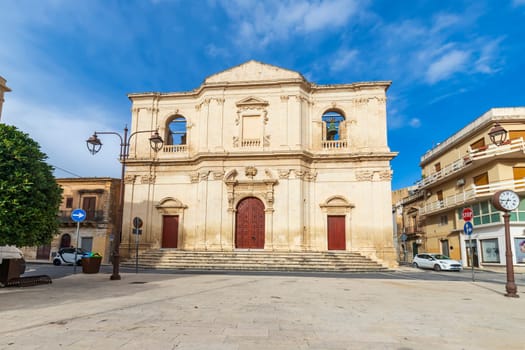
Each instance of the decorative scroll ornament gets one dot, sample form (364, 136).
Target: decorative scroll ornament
(218, 175)
(284, 173)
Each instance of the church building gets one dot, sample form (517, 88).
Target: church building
(258, 158)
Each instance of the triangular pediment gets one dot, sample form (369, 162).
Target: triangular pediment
(251, 101)
(253, 71)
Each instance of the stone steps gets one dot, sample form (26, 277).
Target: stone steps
(256, 261)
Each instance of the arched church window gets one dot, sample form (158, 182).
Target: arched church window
(333, 126)
(177, 131)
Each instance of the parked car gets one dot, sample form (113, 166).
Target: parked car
(67, 256)
(437, 262)
(10, 252)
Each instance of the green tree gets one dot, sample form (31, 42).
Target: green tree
(29, 194)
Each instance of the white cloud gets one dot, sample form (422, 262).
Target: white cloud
(61, 134)
(437, 49)
(488, 61)
(259, 23)
(518, 2)
(446, 65)
(343, 59)
(415, 123)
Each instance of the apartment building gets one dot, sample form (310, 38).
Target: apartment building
(99, 198)
(409, 229)
(466, 170)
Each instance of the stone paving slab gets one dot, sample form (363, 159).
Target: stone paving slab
(214, 311)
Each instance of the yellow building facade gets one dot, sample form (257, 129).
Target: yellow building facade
(465, 171)
(98, 197)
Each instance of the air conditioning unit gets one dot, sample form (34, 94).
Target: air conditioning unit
(460, 182)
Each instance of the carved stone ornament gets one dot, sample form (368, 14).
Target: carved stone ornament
(147, 179)
(269, 196)
(364, 175)
(268, 173)
(218, 175)
(203, 175)
(250, 171)
(231, 175)
(361, 100)
(266, 141)
(299, 173)
(129, 179)
(385, 175)
(311, 176)
(194, 177)
(284, 173)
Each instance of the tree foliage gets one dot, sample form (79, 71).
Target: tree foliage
(29, 194)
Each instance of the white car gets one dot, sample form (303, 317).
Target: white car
(437, 262)
(67, 256)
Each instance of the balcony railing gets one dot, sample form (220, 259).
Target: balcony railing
(515, 145)
(64, 216)
(412, 229)
(469, 195)
(334, 144)
(251, 143)
(175, 148)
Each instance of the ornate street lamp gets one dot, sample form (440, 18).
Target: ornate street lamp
(498, 135)
(505, 201)
(94, 145)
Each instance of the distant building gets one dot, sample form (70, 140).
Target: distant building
(99, 198)
(258, 158)
(409, 229)
(3, 89)
(465, 171)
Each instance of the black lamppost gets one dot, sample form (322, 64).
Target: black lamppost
(94, 145)
(505, 201)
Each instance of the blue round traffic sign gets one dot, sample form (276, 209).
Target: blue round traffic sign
(468, 228)
(78, 215)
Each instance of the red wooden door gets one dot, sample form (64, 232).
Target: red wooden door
(249, 224)
(170, 231)
(336, 233)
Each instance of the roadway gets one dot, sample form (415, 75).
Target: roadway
(403, 273)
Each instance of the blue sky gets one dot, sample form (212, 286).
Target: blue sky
(71, 64)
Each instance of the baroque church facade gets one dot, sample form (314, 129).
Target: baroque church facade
(259, 158)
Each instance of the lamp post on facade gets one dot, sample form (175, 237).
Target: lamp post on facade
(506, 201)
(498, 134)
(94, 145)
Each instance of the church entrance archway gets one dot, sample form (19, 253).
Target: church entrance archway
(249, 224)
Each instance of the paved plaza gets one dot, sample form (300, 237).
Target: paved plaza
(229, 311)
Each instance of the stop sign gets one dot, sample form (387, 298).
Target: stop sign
(467, 214)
